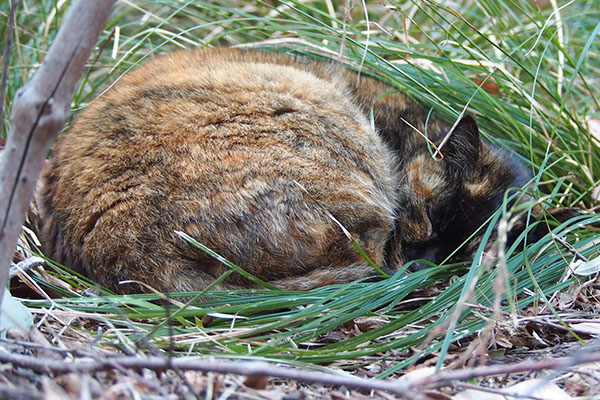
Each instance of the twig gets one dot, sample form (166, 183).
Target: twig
(246, 368)
(40, 110)
(25, 265)
(18, 393)
(446, 377)
(539, 319)
(571, 249)
(403, 388)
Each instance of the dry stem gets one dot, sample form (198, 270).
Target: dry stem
(40, 110)
(404, 388)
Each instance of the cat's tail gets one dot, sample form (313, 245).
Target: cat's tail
(328, 276)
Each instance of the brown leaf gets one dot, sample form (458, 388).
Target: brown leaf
(540, 4)
(489, 86)
(502, 340)
(593, 125)
(53, 391)
(368, 323)
(591, 328)
(207, 320)
(334, 336)
(258, 382)
(539, 388)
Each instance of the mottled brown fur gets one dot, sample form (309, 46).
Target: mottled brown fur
(251, 153)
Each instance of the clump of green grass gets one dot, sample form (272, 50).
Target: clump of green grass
(528, 73)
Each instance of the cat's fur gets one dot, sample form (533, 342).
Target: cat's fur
(252, 153)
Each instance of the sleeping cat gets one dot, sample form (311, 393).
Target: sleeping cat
(261, 156)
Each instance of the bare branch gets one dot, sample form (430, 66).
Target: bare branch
(572, 249)
(40, 110)
(25, 265)
(404, 388)
(252, 368)
(446, 377)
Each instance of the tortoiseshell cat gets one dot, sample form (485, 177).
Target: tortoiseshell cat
(252, 153)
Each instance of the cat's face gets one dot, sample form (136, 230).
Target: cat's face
(443, 202)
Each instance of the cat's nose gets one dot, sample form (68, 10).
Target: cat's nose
(418, 266)
(432, 252)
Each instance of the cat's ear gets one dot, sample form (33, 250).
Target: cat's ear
(463, 148)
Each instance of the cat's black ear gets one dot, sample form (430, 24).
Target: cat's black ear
(463, 148)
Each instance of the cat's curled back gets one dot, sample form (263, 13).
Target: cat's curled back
(258, 156)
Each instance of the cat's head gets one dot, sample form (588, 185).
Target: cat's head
(443, 202)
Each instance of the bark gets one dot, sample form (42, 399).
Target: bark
(40, 110)
(409, 388)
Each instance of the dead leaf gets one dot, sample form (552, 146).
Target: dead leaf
(565, 301)
(258, 382)
(416, 374)
(596, 193)
(207, 320)
(52, 391)
(593, 125)
(586, 268)
(540, 4)
(535, 387)
(591, 328)
(489, 86)
(334, 336)
(502, 340)
(368, 323)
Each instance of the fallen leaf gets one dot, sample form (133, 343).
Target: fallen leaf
(565, 301)
(596, 193)
(14, 315)
(502, 340)
(416, 374)
(368, 323)
(591, 328)
(593, 125)
(540, 4)
(207, 320)
(586, 268)
(334, 336)
(256, 381)
(538, 388)
(52, 391)
(489, 86)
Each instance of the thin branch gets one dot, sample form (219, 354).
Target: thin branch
(571, 249)
(246, 368)
(403, 388)
(446, 377)
(25, 265)
(40, 110)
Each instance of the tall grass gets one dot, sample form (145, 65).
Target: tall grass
(530, 74)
